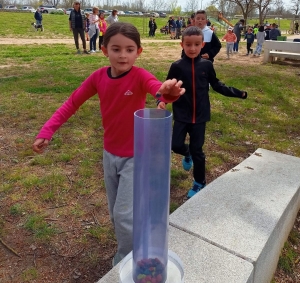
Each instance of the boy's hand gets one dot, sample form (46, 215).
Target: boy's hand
(205, 56)
(39, 145)
(161, 105)
(171, 88)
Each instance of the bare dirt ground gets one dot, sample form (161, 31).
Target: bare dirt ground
(65, 259)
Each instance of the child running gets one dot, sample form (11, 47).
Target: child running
(249, 36)
(122, 89)
(192, 111)
(211, 43)
(230, 38)
(260, 40)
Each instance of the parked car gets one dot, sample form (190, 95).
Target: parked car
(121, 13)
(11, 7)
(68, 11)
(105, 12)
(154, 14)
(59, 11)
(28, 8)
(129, 13)
(162, 14)
(47, 8)
(88, 10)
(138, 13)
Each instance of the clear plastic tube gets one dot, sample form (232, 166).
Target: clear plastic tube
(152, 158)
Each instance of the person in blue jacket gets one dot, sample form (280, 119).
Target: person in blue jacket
(192, 110)
(38, 17)
(249, 36)
(178, 27)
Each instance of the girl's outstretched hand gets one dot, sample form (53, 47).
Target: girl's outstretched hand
(171, 88)
(39, 145)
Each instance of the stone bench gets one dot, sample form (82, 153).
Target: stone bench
(234, 229)
(283, 49)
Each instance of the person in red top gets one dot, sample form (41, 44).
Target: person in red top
(102, 28)
(230, 38)
(122, 89)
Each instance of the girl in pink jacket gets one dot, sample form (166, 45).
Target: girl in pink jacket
(122, 90)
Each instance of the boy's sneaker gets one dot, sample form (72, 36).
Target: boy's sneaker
(78, 51)
(187, 163)
(197, 187)
(86, 52)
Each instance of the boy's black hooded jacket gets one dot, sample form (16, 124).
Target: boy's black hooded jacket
(196, 74)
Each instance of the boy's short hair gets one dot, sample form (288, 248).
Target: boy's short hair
(192, 30)
(201, 12)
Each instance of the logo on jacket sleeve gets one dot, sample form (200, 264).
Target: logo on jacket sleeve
(128, 92)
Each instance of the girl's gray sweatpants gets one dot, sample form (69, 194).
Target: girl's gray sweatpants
(118, 178)
(229, 47)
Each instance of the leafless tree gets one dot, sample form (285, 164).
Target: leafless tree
(279, 7)
(158, 5)
(295, 7)
(245, 6)
(263, 7)
(192, 5)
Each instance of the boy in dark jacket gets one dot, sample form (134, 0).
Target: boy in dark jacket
(249, 36)
(192, 111)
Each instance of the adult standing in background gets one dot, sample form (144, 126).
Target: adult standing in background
(151, 27)
(296, 27)
(94, 29)
(77, 25)
(113, 17)
(274, 32)
(38, 17)
(267, 31)
(237, 29)
(178, 27)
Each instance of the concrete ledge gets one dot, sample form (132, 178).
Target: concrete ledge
(202, 262)
(249, 211)
(234, 229)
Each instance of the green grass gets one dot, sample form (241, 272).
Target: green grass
(57, 25)
(39, 227)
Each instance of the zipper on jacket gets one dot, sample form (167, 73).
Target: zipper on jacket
(194, 92)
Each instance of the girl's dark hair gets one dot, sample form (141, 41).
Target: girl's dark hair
(125, 29)
(192, 30)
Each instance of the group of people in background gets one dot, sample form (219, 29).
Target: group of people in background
(259, 32)
(89, 27)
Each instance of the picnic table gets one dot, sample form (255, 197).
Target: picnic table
(283, 49)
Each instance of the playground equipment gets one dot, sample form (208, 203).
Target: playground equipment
(221, 17)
